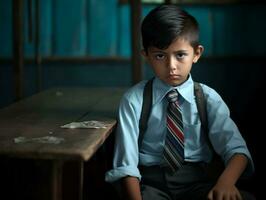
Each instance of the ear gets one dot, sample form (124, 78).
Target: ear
(198, 52)
(144, 53)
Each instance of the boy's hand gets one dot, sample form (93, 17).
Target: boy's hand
(223, 191)
(225, 188)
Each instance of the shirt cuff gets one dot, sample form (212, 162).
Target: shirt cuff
(120, 172)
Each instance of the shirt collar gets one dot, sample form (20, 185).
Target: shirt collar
(160, 89)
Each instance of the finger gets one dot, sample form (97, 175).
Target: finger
(228, 197)
(210, 195)
(238, 195)
(218, 196)
(234, 197)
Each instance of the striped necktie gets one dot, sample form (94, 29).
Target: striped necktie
(174, 140)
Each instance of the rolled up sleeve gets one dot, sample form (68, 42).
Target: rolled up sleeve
(120, 172)
(126, 152)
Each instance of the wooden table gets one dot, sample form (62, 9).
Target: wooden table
(42, 115)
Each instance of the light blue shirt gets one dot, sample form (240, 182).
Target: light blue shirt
(223, 133)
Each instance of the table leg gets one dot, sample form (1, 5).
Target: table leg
(81, 179)
(56, 180)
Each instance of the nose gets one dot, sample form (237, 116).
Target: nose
(172, 64)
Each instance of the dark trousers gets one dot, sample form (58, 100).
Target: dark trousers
(189, 183)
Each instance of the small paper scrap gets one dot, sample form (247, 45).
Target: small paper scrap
(45, 139)
(85, 124)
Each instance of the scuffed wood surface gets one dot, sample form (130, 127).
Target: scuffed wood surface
(42, 115)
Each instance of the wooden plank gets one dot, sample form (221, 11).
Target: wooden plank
(38, 57)
(204, 16)
(6, 29)
(102, 28)
(135, 41)
(18, 47)
(45, 25)
(44, 113)
(124, 33)
(70, 29)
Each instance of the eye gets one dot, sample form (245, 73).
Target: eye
(159, 56)
(180, 55)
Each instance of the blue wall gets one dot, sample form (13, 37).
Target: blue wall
(102, 29)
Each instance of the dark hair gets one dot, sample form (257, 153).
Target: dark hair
(166, 23)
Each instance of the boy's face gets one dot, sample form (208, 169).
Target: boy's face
(173, 65)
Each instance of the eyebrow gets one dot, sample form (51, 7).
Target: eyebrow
(161, 51)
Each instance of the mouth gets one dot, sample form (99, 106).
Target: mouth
(174, 77)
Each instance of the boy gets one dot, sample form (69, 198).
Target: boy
(156, 170)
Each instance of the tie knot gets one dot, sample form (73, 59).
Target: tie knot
(172, 96)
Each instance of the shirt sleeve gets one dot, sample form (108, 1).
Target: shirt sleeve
(126, 153)
(223, 132)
